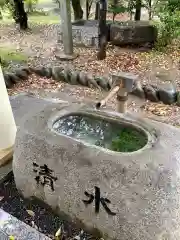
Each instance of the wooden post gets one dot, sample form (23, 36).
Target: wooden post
(66, 26)
(7, 124)
(102, 31)
(122, 97)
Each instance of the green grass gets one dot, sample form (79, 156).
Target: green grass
(47, 19)
(10, 55)
(35, 17)
(40, 19)
(44, 1)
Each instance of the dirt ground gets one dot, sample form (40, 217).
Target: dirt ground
(40, 45)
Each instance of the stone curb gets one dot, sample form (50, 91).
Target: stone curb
(165, 93)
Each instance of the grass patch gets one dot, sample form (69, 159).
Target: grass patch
(39, 17)
(43, 19)
(10, 55)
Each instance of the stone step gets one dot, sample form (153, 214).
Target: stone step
(11, 226)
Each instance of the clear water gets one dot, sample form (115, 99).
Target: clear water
(92, 130)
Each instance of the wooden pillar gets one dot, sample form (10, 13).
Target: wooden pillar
(7, 124)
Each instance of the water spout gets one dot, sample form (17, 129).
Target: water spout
(103, 102)
(123, 84)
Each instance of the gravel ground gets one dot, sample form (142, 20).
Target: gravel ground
(40, 46)
(37, 214)
(49, 88)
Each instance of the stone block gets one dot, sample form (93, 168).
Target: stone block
(131, 32)
(167, 93)
(141, 188)
(84, 33)
(151, 93)
(128, 80)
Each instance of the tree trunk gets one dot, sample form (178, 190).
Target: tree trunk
(114, 5)
(1, 17)
(102, 31)
(20, 15)
(88, 8)
(137, 16)
(78, 12)
(97, 11)
(150, 9)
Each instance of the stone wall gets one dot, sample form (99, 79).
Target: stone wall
(85, 33)
(165, 92)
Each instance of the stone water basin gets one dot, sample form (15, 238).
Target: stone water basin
(100, 131)
(123, 194)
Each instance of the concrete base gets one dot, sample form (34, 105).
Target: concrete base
(6, 155)
(143, 186)
(64, 57)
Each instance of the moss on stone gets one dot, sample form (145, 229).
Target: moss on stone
(129, 140)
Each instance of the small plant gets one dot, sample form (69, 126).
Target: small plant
(129, 140)
(168, 29)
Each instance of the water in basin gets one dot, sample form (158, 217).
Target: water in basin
(101, 132)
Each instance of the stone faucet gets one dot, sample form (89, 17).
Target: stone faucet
(123, 84)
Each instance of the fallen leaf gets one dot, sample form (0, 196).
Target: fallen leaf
(1, 198)
(31, 213)
(11, 237)
(34, 225)
(58, 233)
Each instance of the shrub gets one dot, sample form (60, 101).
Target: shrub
(168, 28)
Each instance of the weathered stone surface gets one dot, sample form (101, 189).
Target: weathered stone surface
(7, 80)
(143, 187)
(132, 32)
(151, 93)
(57, 73)
(48, 72)
(91, 81)
(40, 71)
(84, 33)
(83, 78)
(167, 93)
(67, 75)
(14, 78)
(21, 74)
(27, 70)
(75, 77)
(138, 90)
(43, 72)
(178, 99)
(103, 83)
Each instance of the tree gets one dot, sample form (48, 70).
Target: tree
(116, 7)
(97, 11)
(88, 8)
(78, 12)
(20, 15)
(169, 14)
(149, 7)
(137, 16)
